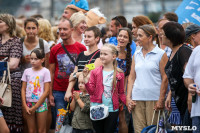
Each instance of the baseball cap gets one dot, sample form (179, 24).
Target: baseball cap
(192, 29)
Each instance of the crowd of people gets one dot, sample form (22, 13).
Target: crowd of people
(136, 71)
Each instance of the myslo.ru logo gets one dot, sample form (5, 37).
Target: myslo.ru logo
(184, 128)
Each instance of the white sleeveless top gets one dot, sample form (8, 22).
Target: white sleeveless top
(148, 77)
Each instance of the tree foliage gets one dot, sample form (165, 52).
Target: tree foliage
(154, 16)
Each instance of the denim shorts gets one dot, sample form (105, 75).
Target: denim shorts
(1, 114)
(43, 107)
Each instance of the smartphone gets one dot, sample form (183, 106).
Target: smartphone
(90, 66)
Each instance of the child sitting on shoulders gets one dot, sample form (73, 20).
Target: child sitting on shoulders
(80, 104)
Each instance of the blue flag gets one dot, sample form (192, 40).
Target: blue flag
(189, 11)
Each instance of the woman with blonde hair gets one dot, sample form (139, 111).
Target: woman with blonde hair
(79, 23)
(11, 47)
(44, 31)
(54, 30)
(20, 32)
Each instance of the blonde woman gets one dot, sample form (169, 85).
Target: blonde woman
(79, 23)
(54, 30)
(44, 32)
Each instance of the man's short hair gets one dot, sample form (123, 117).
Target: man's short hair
(120, 20)
(171, 16)
(66, 19)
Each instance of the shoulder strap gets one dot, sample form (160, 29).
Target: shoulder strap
(67, 53)
(41, 43)
(6, 75)
(93, 56)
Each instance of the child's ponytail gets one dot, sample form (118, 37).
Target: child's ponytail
(115, 73)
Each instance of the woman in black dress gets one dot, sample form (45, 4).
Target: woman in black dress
(173, 36)
(11, 47)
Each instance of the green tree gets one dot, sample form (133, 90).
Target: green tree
(154, 16)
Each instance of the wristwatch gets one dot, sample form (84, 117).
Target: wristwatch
(74, 75)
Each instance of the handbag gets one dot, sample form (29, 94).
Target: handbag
(5, 87)
(66, 129)
(98, 112)
(66, 126)
(162, 125)
(152, 128)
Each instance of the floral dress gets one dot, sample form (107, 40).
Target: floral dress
(13, 115)
(121, 63)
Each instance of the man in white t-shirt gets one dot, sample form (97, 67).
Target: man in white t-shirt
(192, 74)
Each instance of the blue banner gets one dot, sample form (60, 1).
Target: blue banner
(189, 11)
